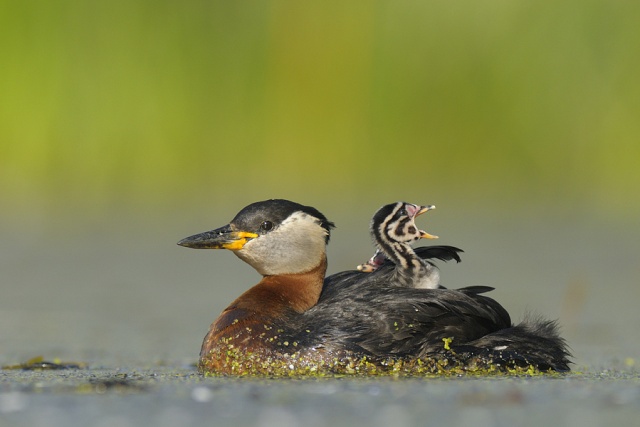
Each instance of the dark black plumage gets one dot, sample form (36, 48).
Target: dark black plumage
(366, 314)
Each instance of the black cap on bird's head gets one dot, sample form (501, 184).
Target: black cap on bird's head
(268, 214)
(274, 236)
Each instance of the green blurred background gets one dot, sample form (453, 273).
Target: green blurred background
(119, 104)
(127, 125)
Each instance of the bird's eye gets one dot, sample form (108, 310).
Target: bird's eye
(266, 226)
(403, 212)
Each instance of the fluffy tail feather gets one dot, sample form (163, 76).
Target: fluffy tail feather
(533, 342)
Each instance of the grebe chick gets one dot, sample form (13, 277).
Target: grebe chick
(393, 228)
(296, 322)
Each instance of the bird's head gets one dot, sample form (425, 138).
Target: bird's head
(395, 222)
(273, 236)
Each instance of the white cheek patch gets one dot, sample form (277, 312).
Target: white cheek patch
(296, 246)
(302, 227)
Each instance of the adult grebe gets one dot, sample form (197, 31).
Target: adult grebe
(296, 322)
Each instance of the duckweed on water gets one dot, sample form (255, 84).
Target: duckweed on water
(227, 359)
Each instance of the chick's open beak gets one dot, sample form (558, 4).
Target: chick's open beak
(424, 234)
(220, 238)
(424, 209)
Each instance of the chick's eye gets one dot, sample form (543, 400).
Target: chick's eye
(266, 226)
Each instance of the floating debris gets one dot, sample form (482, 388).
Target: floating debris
(39, 364)
(120, 385)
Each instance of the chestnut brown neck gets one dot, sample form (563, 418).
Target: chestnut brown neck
(276, 294)
(268, 302)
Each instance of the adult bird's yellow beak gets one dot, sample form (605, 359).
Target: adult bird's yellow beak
(220, 238)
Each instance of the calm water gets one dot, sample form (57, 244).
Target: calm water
(129, 301)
